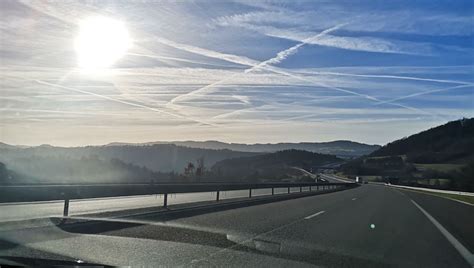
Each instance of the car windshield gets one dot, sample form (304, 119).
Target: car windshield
(237, 133)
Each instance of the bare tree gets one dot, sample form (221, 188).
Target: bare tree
(200, 166)
(189, 170)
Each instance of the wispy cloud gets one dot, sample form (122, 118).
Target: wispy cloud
(425, 93)
(282, 55)
(121, 101)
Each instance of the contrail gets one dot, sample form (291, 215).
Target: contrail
(121, 101)
(224, 115)
(58, 112)
(345, 91)
(252, 63)
(208, 53)
(391, 77)
(175, 59)
(423, 93)
(280, 57)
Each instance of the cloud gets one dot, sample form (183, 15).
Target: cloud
(407, 19)
(236, 71)
(206, 52)
(121, 101)
(367, 44)
(425, 93)
(282, 55)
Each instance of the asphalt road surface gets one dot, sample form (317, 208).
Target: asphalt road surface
(369, 226)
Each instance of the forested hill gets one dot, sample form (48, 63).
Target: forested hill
(340, 148)
(61, 170)
(450, 142)
(158, 157)
(441, 157)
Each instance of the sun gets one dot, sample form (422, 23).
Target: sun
(101, 42)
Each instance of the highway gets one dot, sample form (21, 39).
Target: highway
(369, 226)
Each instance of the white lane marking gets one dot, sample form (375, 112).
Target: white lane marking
(353, 199)
(251, 239)
(467, 255)
(314, 215)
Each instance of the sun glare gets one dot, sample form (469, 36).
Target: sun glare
(101, 42)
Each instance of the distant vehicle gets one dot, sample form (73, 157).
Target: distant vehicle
(359, 180)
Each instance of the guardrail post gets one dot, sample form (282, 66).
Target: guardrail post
(273, 191)
(250, 193)
(217, 196)
(165, 200)
(301, 189)
(288, 189)
(310, 188)
(66, 208)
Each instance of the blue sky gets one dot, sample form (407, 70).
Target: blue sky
(243, 71)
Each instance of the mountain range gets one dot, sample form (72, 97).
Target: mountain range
(163, 161)
(340, 148)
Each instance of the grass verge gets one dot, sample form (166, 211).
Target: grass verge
(464, 198)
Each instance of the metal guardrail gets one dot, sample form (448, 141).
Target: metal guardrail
(33, 193)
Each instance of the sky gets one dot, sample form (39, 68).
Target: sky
(235, 71)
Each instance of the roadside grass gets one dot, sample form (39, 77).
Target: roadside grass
(439, 167)
(372, 178)
(435, 181)
(464, 198)
(388, 156)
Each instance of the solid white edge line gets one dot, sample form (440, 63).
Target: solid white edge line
(314, 215)
(465, 253)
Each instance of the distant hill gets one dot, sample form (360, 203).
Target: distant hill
(6, 146)
(272, 166)
(158, 157)
(440, 157)
(341, 148)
